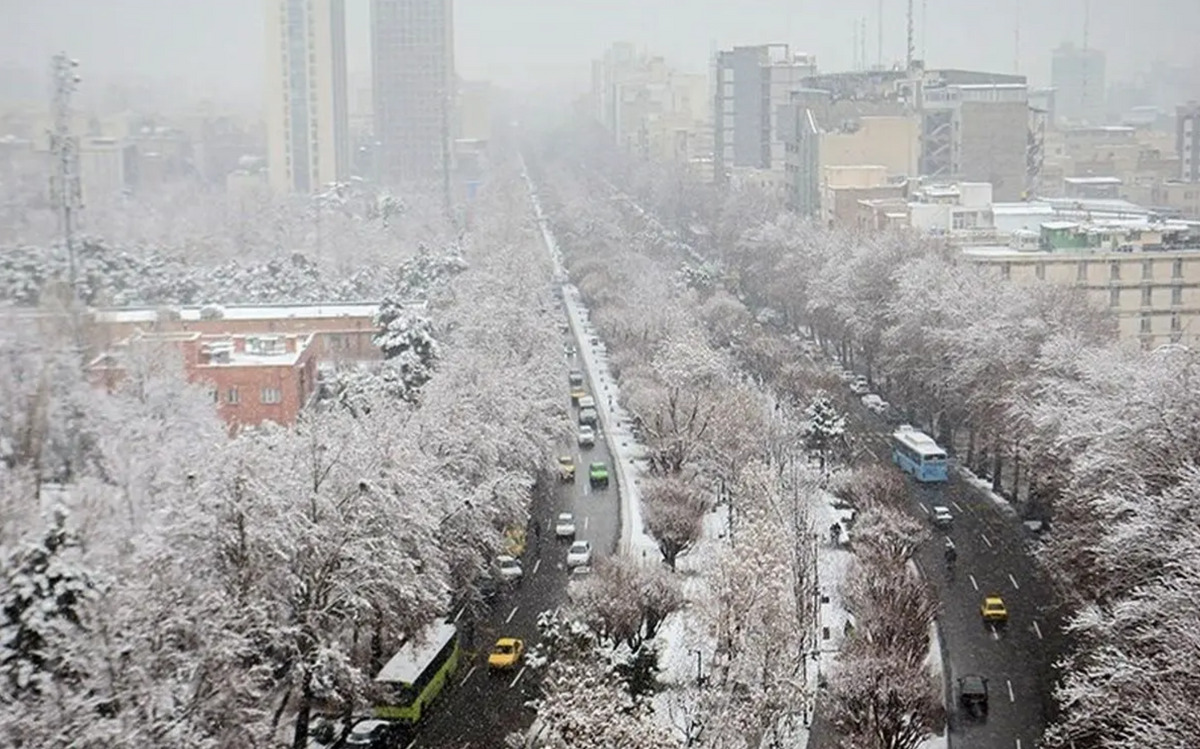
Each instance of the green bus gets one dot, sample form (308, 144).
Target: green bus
(417, 674)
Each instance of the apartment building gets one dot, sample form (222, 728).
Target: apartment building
(751, 117)
(413, 80)
(1187, 141)
(307, 111)
(253, 379)
(845, 188)
(1147, 273)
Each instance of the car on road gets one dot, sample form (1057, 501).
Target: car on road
(510, 568)
(874, 403)
(942, 517)
(566, 468)
(860, 386)
(506, 653)
(587, 401)
(598, 473)
(581, 571)
(579, 554)
(994, 610)
(564, 525)
(372, 733)
(846, 376)
(514, 541)
(577, 392)
(324, 731)
(973, 694)
(569, 349)
(588, 417)
(587, 436)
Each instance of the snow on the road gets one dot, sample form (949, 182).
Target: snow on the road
(985, 486)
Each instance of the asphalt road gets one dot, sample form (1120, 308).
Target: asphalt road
(482, 708)
(993, 559)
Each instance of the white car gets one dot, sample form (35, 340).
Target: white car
(564, 527)
(510, 568)
(860, 386)
(942, 517)
(874, 403)
(579, 554)
(587, 436)
(587, 416)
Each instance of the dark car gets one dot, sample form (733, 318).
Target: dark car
(372, 733)
(973, 694)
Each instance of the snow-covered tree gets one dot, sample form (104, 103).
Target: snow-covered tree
(826, 426)
(625, 602)
(880, 701)
(673, 510)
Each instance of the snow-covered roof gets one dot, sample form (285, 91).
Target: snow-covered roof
(246, 312)
(406, 666)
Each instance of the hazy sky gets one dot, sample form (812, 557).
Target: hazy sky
(216, 46)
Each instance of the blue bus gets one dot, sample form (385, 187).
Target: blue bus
(916, 453)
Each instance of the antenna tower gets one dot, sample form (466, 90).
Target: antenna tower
(879, 51)
(1085, 62)
(908, 63)
(1017, 38)
(65, 192)
(924, 21)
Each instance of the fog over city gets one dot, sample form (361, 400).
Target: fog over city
(214, 47)
(516, 374)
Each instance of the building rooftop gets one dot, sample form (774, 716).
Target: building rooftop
(253, 351)
(1093, 180)
(241, 312)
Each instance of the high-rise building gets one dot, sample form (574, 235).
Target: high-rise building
(752, 90)
(1077, 76)
(1187, 141)
(412, 73)
(308, 135)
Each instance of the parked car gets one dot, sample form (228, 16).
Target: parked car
(598, 473)
(564, 526)
(569, 349)
(372, 733)
(581, 571)
(566, 468)
(942, 517)
(510, 568)
(973, 694)
(860, 386)
(587, 436)
(994, 610)
(579, 554)
(506, 653)
(587, 401)
(874, 403)
(588, 416)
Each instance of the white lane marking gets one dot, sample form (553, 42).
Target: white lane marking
(957, 506)
(1037, 630)
(985, 540)
(511, 614)
(413, 743)
(949, 541)
(995, 633)
(974, 584)
(536, 564)
(1013, 580)
(585, 523)
(469, 674)
(1011, 697)
(1019, 743)
(924, 508)
(517, 678)
(587, 487)
(459, 614)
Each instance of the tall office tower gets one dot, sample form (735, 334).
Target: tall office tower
(308, 134)
(412, 68)
(1077, 76)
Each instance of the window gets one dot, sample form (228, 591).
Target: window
(1040, 271)
(1081, 271)
(1145, 323)
(271, 395)
(1176, 323)
(1147, 296)
(215, 395)
(1114, 270)
(1114, 297)
(232, 396)
(1177, 295)
(1006, 271)
(1147, 269)
(1177, 268)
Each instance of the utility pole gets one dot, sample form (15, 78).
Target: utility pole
(879, 51)
(911, 50)
(1085, 61)
(1017, 38)
(65, 192)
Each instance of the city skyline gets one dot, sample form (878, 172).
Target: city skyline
(525, 44)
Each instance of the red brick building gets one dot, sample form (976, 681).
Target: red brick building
(252, 378)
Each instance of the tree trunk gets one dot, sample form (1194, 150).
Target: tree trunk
(300, 739)
(1016, 460)
(997, 467)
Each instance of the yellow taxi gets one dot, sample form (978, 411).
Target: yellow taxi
(993, 609)
(577, 392)
(566, 468)
(513, 543)
(506, 653)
